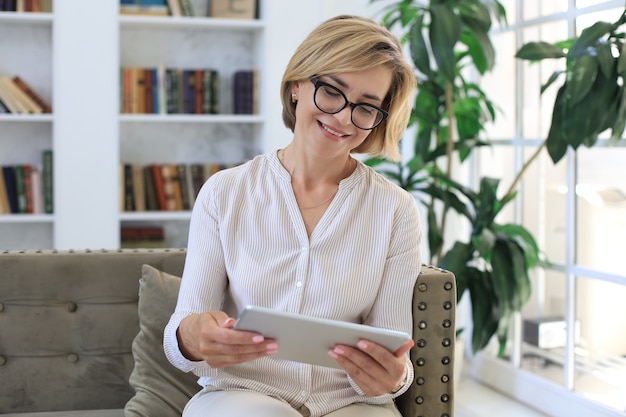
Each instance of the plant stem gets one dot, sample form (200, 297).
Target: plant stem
(449, 151)
(519, 175)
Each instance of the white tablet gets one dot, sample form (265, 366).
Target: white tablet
(308, 339)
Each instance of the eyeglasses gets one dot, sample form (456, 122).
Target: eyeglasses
(332, 100)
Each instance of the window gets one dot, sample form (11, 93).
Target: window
(572, 333)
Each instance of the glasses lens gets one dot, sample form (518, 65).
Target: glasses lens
(329, 99)
(366, 116)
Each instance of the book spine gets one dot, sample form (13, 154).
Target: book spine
(150, 191)
(47, 174)
(159, 188)
(184, 186)
(9, 183)
(129, 199)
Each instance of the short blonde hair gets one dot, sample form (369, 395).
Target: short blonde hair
(348, 44)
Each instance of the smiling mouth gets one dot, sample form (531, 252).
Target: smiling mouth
(332, 132)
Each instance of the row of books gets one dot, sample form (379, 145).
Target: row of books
(169, 91)
(41, 6)
(26, 188)
(163, 187)
(156, 7)
(146, 237)
(17, 97)
(243, 9)
(163, 90)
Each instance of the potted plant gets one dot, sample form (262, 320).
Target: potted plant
(447, 39)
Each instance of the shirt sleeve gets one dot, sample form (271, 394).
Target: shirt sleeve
(204, 276)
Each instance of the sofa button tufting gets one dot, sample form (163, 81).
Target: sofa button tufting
(422, 306)
(447, 305)
(72, 357)
(421, 343)
(422, 325)
(445, 415)
(446, 323)
(420, 380)
(445, 378)
(72, 307)
(3, 360)
(445, 360)
(445, 342)
(419, 400)
(447, 286)
(422, 287)
(445, 398)
(420, 362)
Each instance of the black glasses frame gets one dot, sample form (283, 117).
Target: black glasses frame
(317, 83)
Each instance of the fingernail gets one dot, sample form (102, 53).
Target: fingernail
(333, 354)
(258, 339)
(338, 351)
(362, 344)
(272, 346)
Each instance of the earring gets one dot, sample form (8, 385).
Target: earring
(294, 98)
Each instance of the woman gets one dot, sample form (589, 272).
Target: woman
(308, 229)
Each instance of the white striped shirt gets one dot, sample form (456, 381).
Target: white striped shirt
(248, 245)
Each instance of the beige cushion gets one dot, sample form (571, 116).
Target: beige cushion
(161, 389)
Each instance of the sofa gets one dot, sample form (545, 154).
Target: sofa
(81, 335)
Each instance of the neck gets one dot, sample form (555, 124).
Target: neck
(309, 173)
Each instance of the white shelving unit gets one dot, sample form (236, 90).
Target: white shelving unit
(226, 45)
(26, 50)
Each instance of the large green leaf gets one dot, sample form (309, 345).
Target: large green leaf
(485, 316)
(536, 51)
(509, 275)
(581, 75)
(589, 37)
(456, 260)
(524, 239)
(445, 31)
(556, 142)
(480, 48)
(417, 45)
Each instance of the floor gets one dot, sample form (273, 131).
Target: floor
(476, 400)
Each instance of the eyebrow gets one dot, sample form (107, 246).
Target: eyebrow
(344, 85)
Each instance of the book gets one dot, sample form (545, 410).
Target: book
(28, 188)
(229, 9)
(174, 7)
(28, 104)
(139, 187)
(44, 105)
(129, 199)
(186, 8)
(197, 178)
(171, 187)
(149, 189)
(243, 87)
(36, 190)
(159, 188)
(5, 207)
(47, 174)
(9, 184)
(184, 183)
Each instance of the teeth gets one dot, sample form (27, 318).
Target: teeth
(332, 131)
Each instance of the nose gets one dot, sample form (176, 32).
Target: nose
(345, 115)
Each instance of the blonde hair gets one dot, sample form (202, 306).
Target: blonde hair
(348, 44)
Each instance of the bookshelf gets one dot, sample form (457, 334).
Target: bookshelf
(26, 51)
(224, 45)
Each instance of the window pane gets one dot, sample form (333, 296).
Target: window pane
(498, 87)
(601, 213)
(543, 326)
(601, 350)
(533, 9)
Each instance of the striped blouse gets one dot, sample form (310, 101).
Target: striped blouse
(248, 245)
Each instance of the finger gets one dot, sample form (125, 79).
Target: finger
(402, 350)
(362, 368)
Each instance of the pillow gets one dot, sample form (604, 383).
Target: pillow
(160, 388)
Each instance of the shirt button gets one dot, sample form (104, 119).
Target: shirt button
(303, 393)
(299, 284)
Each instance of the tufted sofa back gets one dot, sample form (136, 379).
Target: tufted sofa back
(68, 320)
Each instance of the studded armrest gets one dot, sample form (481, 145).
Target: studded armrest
(434, 307)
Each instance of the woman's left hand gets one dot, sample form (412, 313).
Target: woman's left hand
(372, 367)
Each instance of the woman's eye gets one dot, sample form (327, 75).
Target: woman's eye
(330, 92)
(365, 110)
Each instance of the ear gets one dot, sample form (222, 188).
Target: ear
(295, 90)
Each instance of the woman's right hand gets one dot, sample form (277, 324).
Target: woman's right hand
(209, 337)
